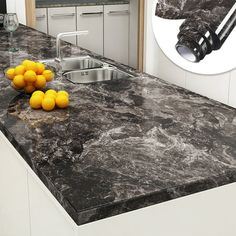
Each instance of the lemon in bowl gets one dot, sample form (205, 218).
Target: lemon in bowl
(29, 76)
(10, 73)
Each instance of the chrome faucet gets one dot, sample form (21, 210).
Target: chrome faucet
(62, 35)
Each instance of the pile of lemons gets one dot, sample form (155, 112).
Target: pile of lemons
(49, 100)
(29, 75)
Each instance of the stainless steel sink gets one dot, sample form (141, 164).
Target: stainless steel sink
(85, 69)
(76, 63)
(95, 75)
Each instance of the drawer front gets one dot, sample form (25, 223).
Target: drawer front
(91, 19)
(62, 20)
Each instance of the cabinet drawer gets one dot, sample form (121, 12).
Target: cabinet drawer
(62, 20)
(41, 20)
(91, 19)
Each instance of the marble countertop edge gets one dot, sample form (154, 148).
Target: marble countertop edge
(161, 196)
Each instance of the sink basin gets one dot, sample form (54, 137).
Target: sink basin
(95, 75)
(76, 63)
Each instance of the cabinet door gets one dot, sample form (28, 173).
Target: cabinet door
(14, 207)
(116, 32)
(61, 20)
(91, 19)
(41, 20)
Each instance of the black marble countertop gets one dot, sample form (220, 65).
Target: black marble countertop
(122, 144)
(70, 3)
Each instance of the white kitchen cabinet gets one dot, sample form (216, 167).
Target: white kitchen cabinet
(41, 20)
(14, 207)
(61, 20)
(116, 32)
(91, 18)
(47, 216)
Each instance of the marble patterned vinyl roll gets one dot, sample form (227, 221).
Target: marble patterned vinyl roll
(206, 27)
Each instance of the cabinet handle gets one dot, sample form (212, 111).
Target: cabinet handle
(40, 17)
(91, 13)
(63, 15)
(125, 12)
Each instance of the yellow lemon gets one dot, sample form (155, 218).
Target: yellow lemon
(20, 70)
(50, 96)
(29, 83)
(49, 75)
(62, 101)
(36, 101)
(10, 73)
(48, 104)
(19, 81)
(62, 92)
(30, 76)
(13, 86)
(40, 68)
(40, 82)
(51, 92)
(38, 93)
(29, 88)
(24, 63)
(31, 65)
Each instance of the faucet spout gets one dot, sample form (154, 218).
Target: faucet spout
(62, 35)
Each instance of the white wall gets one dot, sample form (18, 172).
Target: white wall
(218, 87)
(17, 6)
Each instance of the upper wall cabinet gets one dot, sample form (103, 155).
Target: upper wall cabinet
(41, 20)
(62, 20)
(116, 32)
(91, 18)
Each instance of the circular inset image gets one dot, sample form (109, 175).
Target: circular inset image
(197, 35)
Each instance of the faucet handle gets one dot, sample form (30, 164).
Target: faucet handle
(73, 33)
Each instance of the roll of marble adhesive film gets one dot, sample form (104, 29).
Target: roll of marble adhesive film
(206, 27)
